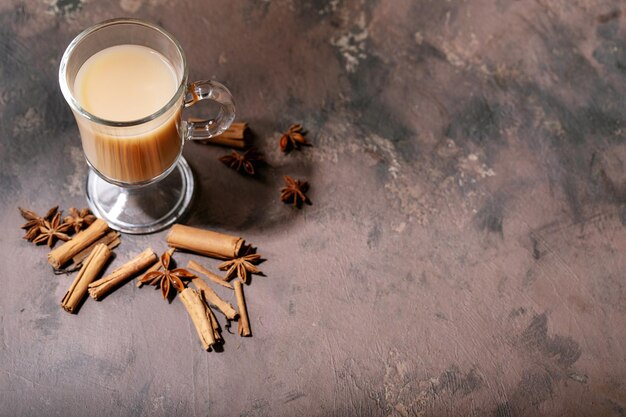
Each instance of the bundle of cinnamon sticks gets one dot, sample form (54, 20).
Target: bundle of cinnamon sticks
(219, 246)
(91, 249)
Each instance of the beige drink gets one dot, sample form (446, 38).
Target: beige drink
(121, 84)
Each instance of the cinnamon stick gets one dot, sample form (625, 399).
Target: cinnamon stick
(111, 240)
(199, 313)
(244, 323)
(237, 130)
(61, 255)
(230, 143)
(90, 270)
(193, 265)
(205, 242)
(233, 137)
(103, 286)
(215, 325)
(157, 265)
(213, 298)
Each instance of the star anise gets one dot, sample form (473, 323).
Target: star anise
(53, 230)
(166, 278)
(293, 193)
(245, 161)
(293, 138)
(241, 266)
(34, 221)
(79, 218)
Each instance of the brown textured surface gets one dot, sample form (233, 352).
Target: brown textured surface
(463, 254)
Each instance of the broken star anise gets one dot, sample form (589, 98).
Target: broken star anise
(245, 161)
(293, 138)
(52, 230)
(241, 266)
(79, 218)
(294, 192)
(166, 278)
(34, 221)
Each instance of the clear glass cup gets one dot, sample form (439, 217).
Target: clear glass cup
(138, 180)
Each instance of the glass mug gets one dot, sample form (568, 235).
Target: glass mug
(138, 180)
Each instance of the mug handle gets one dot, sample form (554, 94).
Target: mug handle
(208, 128)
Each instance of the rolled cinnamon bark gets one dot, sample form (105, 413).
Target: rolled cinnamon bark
(237, 130)
(110, 239)
(231, 143)
(215, 325)
(157, 266)
(90, 270)
(200, 315)
(195, 266)
(205, 242)
(61, 255)
(214, 299)
(233, 137)
(103, 286)
(244, 322)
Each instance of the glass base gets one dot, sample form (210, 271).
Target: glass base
(144, 209)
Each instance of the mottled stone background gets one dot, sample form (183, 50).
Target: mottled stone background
(463, 254)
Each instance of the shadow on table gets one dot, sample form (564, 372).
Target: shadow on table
(228, 199)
